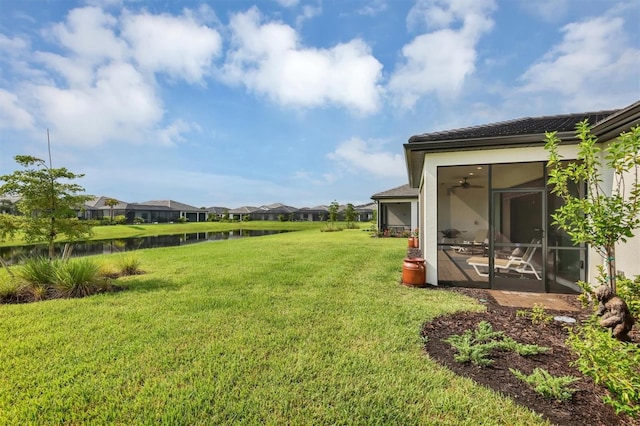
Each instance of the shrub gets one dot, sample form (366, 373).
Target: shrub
(76, 278)
(629, 291)
(129, 265)
(548, 385)
(9, 291)
(120, 219)
(537, 315)
(37, 271)
(609, 362)
(476, 346)
(331, 227)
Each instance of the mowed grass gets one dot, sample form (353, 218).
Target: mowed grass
(297, 328)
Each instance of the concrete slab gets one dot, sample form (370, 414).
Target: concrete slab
(518, 299)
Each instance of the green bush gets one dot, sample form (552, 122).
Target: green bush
(537, 315)
(77, 278)
(37, 271)
(629, 291)
(129, 265)
(548, 385)
(120, 219)
(609, 362)
(9, 291)
(40, 279)
(331, 227)
(476, 346)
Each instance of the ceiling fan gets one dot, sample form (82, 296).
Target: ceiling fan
(464, 184)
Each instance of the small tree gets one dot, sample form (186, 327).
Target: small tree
(333, 211)
(48, 201)
(601, 218)
(111, 202)
(349, 213)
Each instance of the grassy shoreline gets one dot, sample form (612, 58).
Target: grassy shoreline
(297, 328)
(149, 230)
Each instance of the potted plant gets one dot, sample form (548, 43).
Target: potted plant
(415, 236)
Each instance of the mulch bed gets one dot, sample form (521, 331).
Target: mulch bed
(585, 407)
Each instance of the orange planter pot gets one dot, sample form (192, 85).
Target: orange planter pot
(414, 272)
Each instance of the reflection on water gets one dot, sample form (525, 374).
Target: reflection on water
(14, 254)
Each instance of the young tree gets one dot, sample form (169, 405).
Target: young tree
(349, 213)
(603, 216)
(48, 201)
(333, 211)
(111, 202)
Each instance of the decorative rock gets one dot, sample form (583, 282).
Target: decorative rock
(566, 319)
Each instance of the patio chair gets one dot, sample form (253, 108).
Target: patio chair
(517, 262)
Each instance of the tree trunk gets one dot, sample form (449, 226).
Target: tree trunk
(611, 267)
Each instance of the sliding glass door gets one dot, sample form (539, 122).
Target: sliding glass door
(517, 255)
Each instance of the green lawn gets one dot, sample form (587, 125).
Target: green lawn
(297, 328)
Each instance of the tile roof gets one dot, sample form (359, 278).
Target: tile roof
(404, 191)
(174, 205)
(519, 126)
(243, 209)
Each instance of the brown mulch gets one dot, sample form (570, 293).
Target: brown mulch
(585, 407)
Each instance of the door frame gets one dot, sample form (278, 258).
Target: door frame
(542, 246)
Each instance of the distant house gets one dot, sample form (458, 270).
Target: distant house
(397, 208)
(241, 213)
(161, 211)
(484, 196)
(364, 212)
(313, 214)
(274, 211)
(217, 212)
(8, 205)
(190, 213)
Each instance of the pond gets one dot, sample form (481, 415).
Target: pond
(13, 254)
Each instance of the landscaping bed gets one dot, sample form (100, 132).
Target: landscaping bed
(584, 408)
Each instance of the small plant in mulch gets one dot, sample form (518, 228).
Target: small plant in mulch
(610, 362)
(547, 384)
(537, 315)
(476, 346)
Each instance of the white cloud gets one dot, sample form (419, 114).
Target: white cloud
(374, 8)
(440, 61)
(11, 114)
(12, 45)
(101, 84)
(594, 66)
(356, 154)
(121, 105)
(308, 12)
(178, 46)
(173, 133)
(89, 34)
(268, 59)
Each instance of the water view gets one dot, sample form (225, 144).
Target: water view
(13, 254)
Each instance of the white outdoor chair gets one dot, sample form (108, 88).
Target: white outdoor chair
(520, 263)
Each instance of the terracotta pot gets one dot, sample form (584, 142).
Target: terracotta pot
(414, 272)
(410, 242)
(416, 242)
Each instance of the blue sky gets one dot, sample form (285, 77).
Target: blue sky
(231, 102)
